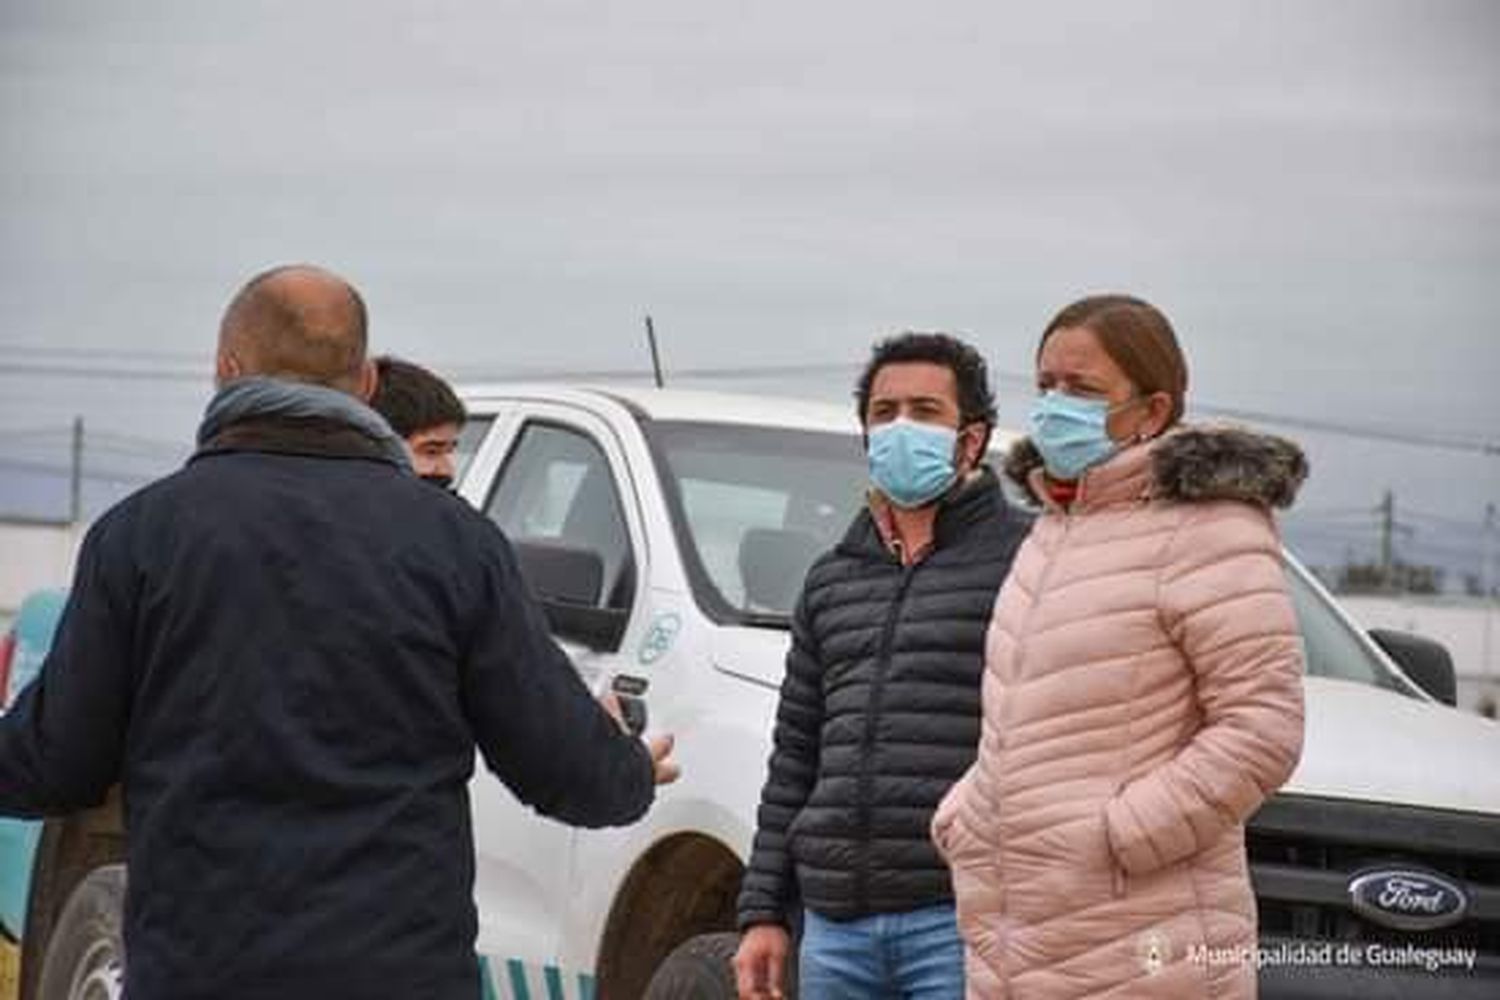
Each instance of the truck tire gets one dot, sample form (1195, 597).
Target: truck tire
(85, 958)
(700, 969)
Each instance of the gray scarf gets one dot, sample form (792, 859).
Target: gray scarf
(258, 396)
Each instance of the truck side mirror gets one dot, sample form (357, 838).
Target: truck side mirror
(568, 579)
(600, 629)
(1424, 661)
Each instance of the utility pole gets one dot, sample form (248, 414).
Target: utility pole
(75, 491)
(1387, 510)
(1489, 606)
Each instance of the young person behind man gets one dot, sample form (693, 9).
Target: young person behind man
(880, 706)
(287, 652)
(425, 411)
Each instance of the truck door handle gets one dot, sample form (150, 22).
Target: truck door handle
(631, 692)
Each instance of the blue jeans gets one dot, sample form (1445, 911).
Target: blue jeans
(915, 955)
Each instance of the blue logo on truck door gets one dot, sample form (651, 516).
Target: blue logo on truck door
(659, 637)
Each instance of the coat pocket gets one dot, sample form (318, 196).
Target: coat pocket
(793, 829)
(965, 847)
(1069, 864)
(1119, 877)
(942, 831)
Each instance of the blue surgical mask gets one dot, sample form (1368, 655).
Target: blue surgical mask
(1070, 433)
(912, 463)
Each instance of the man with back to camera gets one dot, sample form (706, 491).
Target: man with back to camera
(425, 411)
(287, 652)
(880, 706)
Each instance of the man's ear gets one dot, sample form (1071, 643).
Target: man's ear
(227, 368)
(972, 441)
(369, 379)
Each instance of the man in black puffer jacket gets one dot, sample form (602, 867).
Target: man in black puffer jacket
(880, 707)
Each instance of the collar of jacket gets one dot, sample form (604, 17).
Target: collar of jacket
(883, 513)
(1188, 465)
(266, 414)
(312, 437)
(970, 503)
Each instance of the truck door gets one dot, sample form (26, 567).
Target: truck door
(559, 490)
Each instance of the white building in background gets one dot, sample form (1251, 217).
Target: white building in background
(35, 555)
(1469, 627)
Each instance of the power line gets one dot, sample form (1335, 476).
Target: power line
(92, 472)
(22, 368)
(1445, 519)
(147, 459)
(1415, 438)
(751, 372)
(1426, 524)
(58, 430)
(143, 449)
(1420, 438)
(66, 430)
(133, 438)
(1319, 512)
(91, 353)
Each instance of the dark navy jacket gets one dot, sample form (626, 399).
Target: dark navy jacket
(287, 652)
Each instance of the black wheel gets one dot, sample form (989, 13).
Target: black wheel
(85, 958)
(700, 969)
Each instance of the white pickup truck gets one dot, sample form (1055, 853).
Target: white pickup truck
(667, 533)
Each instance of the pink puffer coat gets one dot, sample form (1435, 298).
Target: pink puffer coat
(1142, 697)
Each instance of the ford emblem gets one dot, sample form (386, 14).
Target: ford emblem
(1407, 899)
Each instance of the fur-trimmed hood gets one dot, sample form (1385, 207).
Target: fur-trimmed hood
(1199, 464)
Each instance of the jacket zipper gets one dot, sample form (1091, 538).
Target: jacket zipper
(1025, 632)
(867, 748)
(1041, 590)
(1118, 879)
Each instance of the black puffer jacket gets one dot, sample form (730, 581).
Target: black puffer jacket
(879, 715)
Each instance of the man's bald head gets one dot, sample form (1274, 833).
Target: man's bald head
(297, 322)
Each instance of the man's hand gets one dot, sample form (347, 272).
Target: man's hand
(610, 702)
(664, 768)
(760, 964)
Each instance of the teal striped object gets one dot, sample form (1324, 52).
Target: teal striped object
(519, 981)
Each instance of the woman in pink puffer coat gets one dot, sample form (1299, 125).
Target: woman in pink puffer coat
(1142, 691)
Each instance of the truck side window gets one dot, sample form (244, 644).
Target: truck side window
(556, 489)
(1332, 648)
(469, 440)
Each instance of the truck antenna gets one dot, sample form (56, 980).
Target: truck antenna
(655, 355)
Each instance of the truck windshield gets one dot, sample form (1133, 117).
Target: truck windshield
(753, 507)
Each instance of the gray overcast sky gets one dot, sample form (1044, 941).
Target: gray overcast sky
(1310, 190)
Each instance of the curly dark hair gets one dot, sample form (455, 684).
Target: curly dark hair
(976, 403)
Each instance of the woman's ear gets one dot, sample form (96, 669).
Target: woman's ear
(1158, 416)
